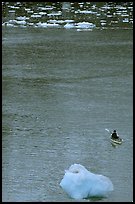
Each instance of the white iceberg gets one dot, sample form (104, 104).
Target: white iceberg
(85, 25)
(69, 25)
(80, 183)
(45, 25)
(81, 25)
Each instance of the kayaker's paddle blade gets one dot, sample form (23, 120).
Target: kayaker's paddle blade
(107, 130)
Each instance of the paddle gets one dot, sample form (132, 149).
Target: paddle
(108, 131)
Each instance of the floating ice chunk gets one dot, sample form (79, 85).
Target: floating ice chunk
(126, 20)
(21, 18)
(30, 24)
(87, 12)
(21, 22)
(55, 14)
(82, 25)
(12, 21)
(84, 29)
(55, 21)
(11, 11)
(46, 8)
(44, 25)
(42, 13)
(69, 25)
(68, 20)
(85, 25)
(15, 7)
(27, 9)
(80, 183)
(53, 25)
(8, 24)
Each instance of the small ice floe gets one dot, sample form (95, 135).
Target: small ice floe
(69, 21)
(81, 25)
(87, 11)
(56, 21)
(27, 9)
(125, 20)
(45, 25)
(30, 24)
(14, 7)
(11, 11)
(21, 22)
(42, 13)
(80, 183)
(69, 25)
(21, 18)
(102, 22)
(8, 24)
(45, 8)
(51, 25)
(54, 13)
(85, 25)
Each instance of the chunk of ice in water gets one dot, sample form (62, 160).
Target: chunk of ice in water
(80, 183)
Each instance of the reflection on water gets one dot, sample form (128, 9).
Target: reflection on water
(79, 15)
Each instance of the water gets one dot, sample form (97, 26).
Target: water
(79, 15)
(61, 89)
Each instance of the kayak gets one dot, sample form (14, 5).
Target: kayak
(117, 141)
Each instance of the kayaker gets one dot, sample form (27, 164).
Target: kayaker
(114, 135)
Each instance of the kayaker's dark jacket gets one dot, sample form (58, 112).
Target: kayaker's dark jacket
(114, 135)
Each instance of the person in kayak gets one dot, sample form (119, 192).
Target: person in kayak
(114, 135)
